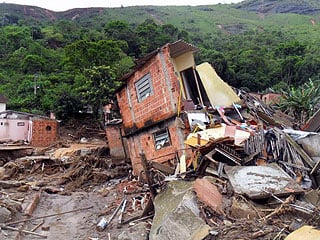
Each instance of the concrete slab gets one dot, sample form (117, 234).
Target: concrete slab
(177, 214)
(257, 181)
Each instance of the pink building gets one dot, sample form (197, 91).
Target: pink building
(18, 126)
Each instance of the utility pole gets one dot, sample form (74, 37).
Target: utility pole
(35, 84)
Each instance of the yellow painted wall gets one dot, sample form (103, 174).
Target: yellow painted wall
(218, 91)
(183, 62)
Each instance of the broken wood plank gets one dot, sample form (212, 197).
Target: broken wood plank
(10, 184)
(37, 226)
(302, 153)
(295, 165)
(145, 166)
(315, 168)
(183, 164)
(32, 206)
(45, 216)
(24, 231)
(162, 168)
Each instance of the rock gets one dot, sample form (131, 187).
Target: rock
(5, 215)
(138, 231)
(177, 214)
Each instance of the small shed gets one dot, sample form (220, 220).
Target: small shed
(39, 131)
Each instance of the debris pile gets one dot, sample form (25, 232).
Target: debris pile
(251, 172)
(28, 183)
(249, 175)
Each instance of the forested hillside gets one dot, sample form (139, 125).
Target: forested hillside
(61, 61)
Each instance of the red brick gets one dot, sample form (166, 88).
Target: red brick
(208, 194)
(41, 135)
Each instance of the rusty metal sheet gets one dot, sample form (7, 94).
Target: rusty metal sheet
(259, 181)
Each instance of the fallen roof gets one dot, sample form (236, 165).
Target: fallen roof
(4, 114)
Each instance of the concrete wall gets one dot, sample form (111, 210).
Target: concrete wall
(2, 107)
(184, 62)
(14, 129)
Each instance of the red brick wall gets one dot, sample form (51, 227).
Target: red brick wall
(116, 145)
(144, 142)
(44, 132)
(157, 106)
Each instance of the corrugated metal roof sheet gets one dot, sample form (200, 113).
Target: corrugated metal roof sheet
(176, 49)
(180, 47)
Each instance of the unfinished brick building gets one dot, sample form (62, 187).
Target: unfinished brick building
(151, 100)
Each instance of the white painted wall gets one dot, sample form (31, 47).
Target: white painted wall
(2, 107)
(14, 129)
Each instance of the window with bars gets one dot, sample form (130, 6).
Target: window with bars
(144, 87)
(161, 139)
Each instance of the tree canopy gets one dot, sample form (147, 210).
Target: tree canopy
(64, 65)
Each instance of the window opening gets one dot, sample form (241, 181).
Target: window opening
(144, 87)
(161, 139)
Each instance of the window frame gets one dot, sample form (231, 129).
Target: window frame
(146, 83)
(162, 134)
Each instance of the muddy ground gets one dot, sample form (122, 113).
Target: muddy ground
(63, 191)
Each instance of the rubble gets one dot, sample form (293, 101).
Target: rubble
(177, 214)
(257, 181)
(245, 178)
(262, 176)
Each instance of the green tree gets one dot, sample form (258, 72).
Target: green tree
(98, 87)
(120, 30)
(300, 102)
(68, 105)
(32, 64)
(84, 54)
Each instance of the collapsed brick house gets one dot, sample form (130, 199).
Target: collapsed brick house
(39, 131)
(159, 100)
